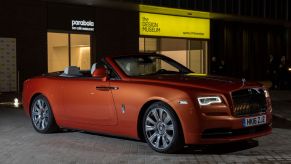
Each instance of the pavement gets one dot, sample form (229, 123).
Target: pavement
(20, 143)
(281, 103)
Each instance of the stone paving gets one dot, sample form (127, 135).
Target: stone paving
(20, 143)
(281, 103)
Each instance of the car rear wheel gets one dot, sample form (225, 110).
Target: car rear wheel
(42, 117)
(161, 128)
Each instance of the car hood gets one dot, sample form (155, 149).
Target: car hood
(214, 83)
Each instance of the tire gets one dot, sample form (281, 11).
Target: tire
(161, 129)
(41, 115)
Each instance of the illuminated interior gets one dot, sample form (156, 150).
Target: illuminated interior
(190, 53)
(66, 49)
(58, 51)
(80, 51)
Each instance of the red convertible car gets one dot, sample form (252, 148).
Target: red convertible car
(149, 97)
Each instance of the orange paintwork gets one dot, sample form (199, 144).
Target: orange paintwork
(77, 104)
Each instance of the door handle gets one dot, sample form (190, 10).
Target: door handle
(114, 88)
(101, 88)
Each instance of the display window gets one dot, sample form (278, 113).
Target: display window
(189, 52)
(66, 49)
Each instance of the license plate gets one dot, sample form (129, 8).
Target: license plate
(253, 121)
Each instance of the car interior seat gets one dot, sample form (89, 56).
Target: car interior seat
(93, 68)
(71, 71)
(132, 69)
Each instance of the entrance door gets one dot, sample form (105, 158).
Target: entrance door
(190, 53)
(66, 49)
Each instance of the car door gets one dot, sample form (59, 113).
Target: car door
(88, 101)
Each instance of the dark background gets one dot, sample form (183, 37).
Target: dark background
(243, 34)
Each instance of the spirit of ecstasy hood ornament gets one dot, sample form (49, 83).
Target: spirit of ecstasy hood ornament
(243, 80)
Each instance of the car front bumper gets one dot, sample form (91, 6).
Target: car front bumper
(223, 129)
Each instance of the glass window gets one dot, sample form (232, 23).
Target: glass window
(58, 51)
(66, 49)
(80, 51)
(197, 56)
(189, 52)
(174, 48)
(148, 44)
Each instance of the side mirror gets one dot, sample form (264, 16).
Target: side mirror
(100, 72)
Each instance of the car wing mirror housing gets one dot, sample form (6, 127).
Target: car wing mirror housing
(100, 73)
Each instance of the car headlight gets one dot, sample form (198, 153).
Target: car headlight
(289, 69)
(209, 100)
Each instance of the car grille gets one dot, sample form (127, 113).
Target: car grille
(248, 102)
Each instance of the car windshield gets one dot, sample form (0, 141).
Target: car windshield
(143, 65)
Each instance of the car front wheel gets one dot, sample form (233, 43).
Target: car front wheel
(161, 128)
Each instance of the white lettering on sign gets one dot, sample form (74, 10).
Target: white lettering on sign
(82, 25)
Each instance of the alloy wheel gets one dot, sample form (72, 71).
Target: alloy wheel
(40, 114)
(159, 128)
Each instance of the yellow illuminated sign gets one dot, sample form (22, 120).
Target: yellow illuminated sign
(196, 74)
(173, 26)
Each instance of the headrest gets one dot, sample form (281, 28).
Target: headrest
(132, 69)
(72, 71)
(93, 68)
